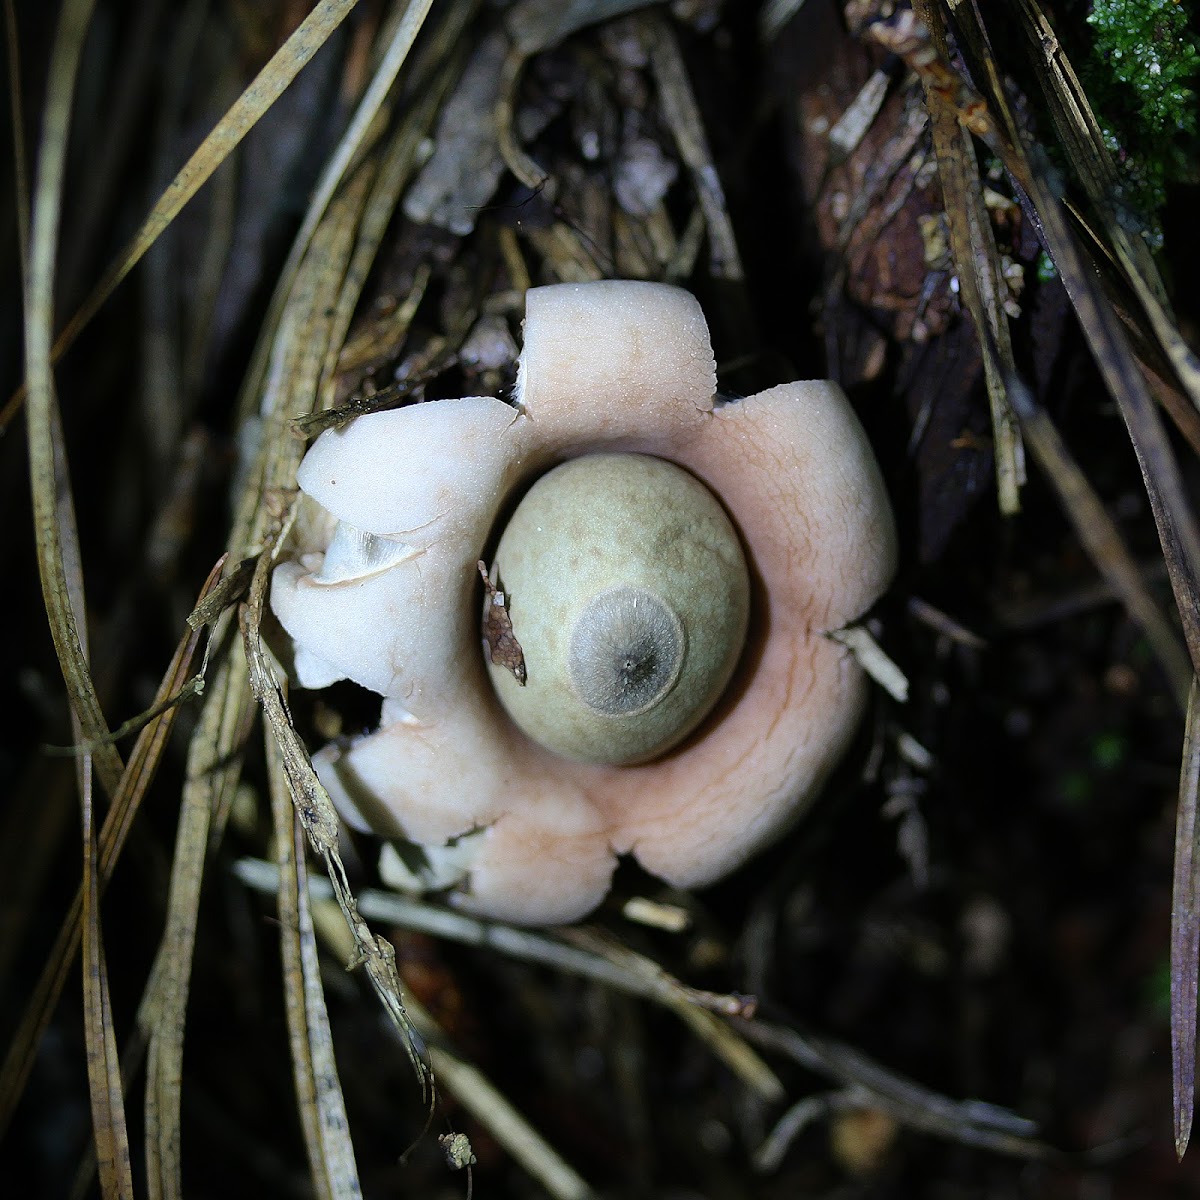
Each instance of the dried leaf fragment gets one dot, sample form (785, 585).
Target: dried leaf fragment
(503, 648)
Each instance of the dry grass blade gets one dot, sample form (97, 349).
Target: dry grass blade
(270, 83)
(135, 782)
(1180, 354)
(398, 162)
(981, 282)
(295, 354)
(1164, 486)
(1180, 540)
(1099, 534)
(535, 25)
(53, 525)
(351, 149)
(970, 1122)
(718, 1035)
(62, 588)
(1083, 140)
(574, 952)
(173, 966)
(1173, 515)
(591, 956)
(20, 160)
(476, 1093)
(491, 1108)
(515, 158)
(294, 361)
(1185, 929)
(320, 821)
(110, 1135)
(357, 137)
(15, 832)
(314, 1069)
(222, 590)
(293, 375)
(574, 262)
(682, 114)
(213, 767)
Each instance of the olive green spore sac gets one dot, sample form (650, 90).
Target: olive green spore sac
(629, 594)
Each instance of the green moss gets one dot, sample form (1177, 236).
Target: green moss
(1140, 75)
(1046, 270)
(1146, 47)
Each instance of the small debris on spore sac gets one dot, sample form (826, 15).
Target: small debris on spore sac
(503, 648)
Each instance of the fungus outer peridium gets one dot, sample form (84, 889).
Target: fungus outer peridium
(607, 367)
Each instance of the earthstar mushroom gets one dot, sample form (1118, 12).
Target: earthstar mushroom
(524, 814)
